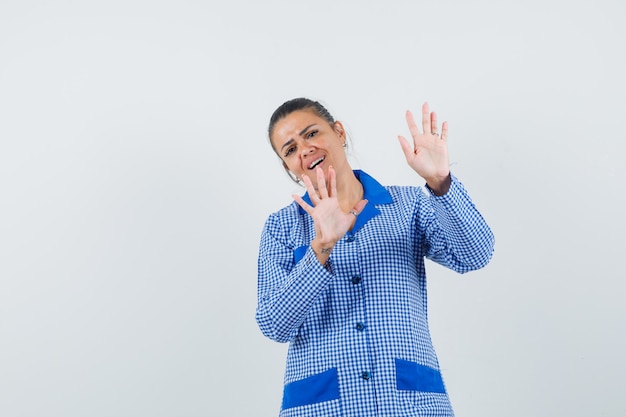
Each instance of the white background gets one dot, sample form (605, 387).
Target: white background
(135, 177)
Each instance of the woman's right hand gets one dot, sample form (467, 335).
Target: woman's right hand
(331, 223)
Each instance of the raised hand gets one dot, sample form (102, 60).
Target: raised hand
(429, 154)
(331, 223)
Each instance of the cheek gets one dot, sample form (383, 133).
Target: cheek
(291, 165)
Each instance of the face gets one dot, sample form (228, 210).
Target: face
(304, 141)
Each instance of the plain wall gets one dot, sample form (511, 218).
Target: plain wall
(136, 175)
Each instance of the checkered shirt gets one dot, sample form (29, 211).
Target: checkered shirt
(360, 345)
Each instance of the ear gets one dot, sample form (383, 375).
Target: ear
(341, 132)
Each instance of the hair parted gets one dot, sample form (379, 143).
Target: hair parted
(300, 103)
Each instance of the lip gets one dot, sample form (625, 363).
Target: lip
(316, 162)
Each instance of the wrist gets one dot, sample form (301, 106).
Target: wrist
(322, 248)
(439, 186)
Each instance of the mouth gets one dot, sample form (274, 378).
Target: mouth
(315, 163)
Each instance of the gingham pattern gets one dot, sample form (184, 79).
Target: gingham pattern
(367, 306)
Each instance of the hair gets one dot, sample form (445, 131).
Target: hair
(296, 104)
(290, 106)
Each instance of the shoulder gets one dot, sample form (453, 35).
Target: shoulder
(377, 193)
(408, 196)
(405, 191)
(288, 213)
(284, 220)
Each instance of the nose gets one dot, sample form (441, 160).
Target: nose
(306, 149)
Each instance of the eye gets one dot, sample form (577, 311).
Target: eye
(289, 151)
(311, 134)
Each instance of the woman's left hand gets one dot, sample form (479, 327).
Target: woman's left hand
(429, 154)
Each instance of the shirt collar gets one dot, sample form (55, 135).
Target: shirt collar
(373, 191)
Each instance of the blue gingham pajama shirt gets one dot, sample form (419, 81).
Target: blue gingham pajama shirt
(360, 344)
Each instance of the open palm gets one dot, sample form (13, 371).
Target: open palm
(428, 156)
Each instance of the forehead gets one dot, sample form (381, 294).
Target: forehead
(293, 124)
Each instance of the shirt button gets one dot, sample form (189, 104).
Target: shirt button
(366, 375)
(360, 327)
(356, 279)
(350, 238)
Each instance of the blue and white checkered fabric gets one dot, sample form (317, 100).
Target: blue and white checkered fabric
(360, 344)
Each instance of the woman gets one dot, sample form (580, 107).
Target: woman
(341, 269)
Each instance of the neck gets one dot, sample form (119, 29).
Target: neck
(349, 191)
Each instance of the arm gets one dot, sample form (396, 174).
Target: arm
(455, 233)
(286, 290)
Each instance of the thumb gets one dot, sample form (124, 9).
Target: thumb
(406, 147)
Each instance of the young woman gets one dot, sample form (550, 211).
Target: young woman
(341, 272)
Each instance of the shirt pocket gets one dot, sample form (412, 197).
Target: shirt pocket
(330, 408)
(316, 389)
(421, 390)
(411, 376)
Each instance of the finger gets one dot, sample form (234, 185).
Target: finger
(444, 131)
(332, 178)
(360, 206)
(321, 183)
(406, 147)
(308, 184)
(433, 123)
(305, 206)
(412, 126)
(425, 118)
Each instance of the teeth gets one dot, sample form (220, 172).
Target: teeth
(316, 162)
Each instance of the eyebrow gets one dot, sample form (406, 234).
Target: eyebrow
(302, 132)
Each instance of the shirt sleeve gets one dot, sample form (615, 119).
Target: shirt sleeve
(456, 234)
(286, 289)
